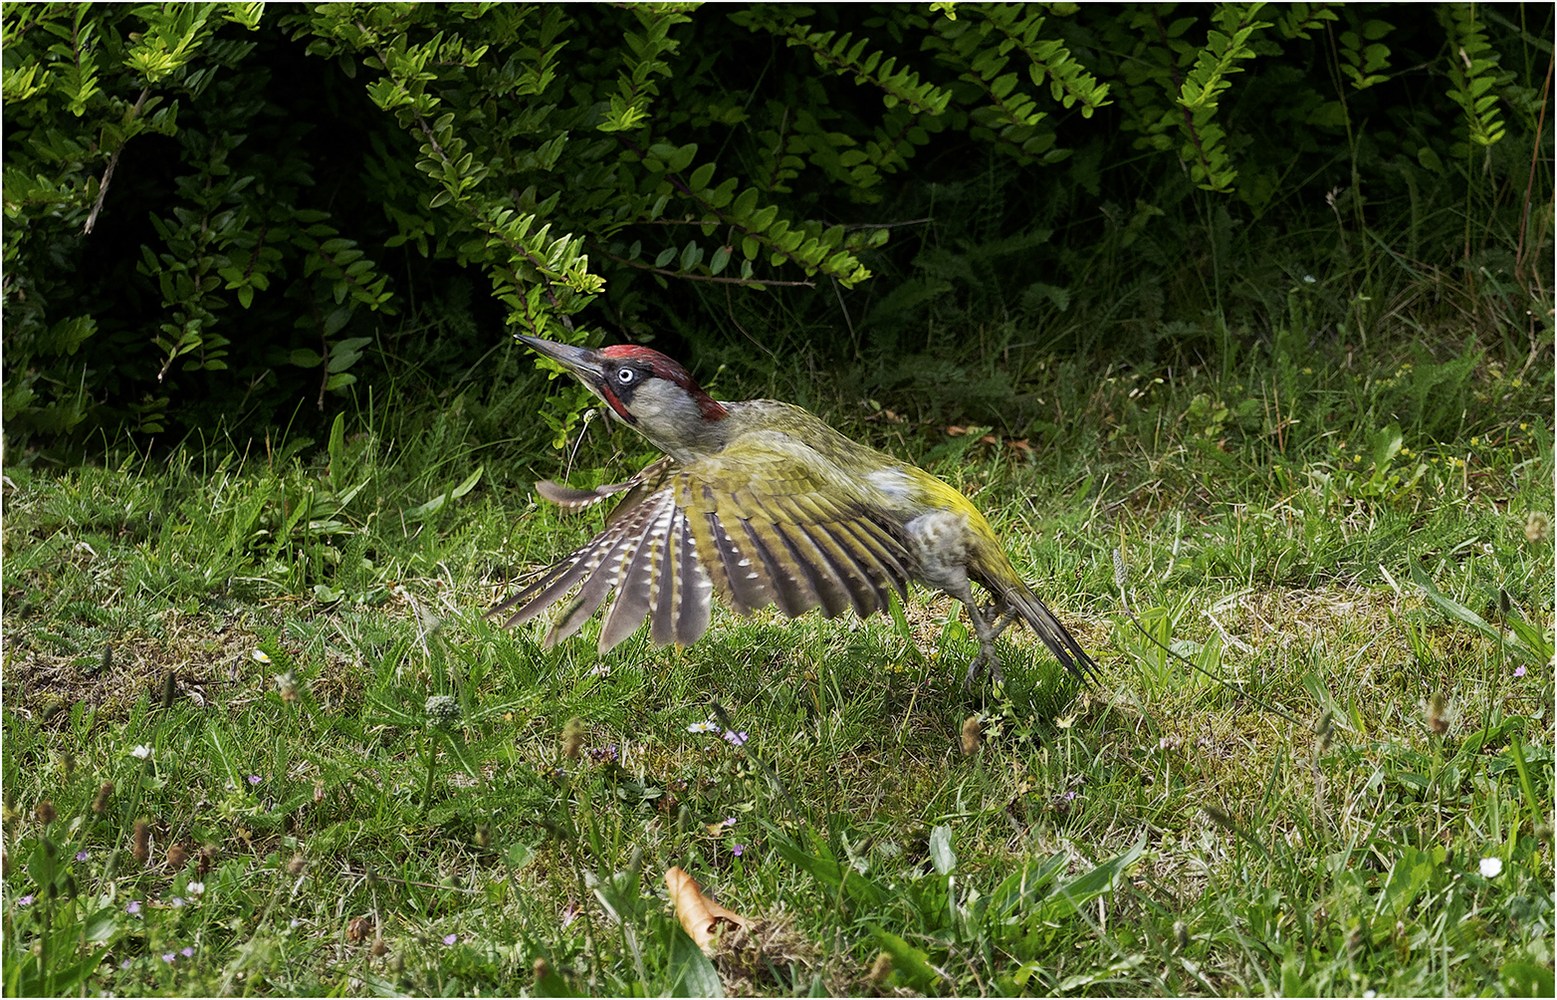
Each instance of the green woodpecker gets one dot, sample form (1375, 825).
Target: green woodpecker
(762, 503)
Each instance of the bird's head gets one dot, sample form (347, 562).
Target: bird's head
(644, 389)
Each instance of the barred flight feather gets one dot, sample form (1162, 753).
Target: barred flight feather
(694, 589)
(552, 584)
(568, 496)
(643, 569)
(862, 583)
(668, 584)
(622, 541)
(882, 549)
(743, 580)
(594, 592)
(825, 578)
(674, 541)
(792, 596)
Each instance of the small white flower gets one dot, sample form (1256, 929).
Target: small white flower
(261, 656)
(1491, 867)
(703, 727)
(1369, 994)
(600, 670)
(142, 751)
(195, 888)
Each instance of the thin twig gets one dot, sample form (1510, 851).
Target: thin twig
(729, 309)
(685, 188)
(718, 279)
(324, 352)
(478, 222)
(888, 225)
(1524, 217)
(108, 172)
(847, 321)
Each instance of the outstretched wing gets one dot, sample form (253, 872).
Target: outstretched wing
(645, 554)
(777, 524)
(757, 525)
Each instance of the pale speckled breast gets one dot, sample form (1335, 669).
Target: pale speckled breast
(940, 543)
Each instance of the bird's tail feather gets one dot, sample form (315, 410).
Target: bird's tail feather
(1018, 597)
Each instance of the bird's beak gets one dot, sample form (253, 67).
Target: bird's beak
(581, 362)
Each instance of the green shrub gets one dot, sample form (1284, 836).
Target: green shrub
(219, 219)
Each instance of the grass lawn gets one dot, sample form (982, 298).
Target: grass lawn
(259, 738)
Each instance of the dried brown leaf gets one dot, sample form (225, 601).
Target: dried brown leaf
(700, 916)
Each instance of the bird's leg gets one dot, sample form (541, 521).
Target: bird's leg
(1007, 615)
(986, 660)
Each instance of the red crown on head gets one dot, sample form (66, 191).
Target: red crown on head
(670, 370)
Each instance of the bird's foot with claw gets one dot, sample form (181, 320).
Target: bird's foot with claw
(985, 662)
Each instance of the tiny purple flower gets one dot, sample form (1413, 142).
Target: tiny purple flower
(82, 855)
(26, 900)
(729, 821)
(737, 849)
(450, 939)
(1070, 795)
(176, 902)
(187, 951)
(1519, 671)
(736, 738)
(168, 957)
(254, 779)
(133, 908)
(124, 964)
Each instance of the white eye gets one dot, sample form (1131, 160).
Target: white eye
(626, 376)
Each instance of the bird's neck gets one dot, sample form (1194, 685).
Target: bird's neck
(687, 431)
(684, 425)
